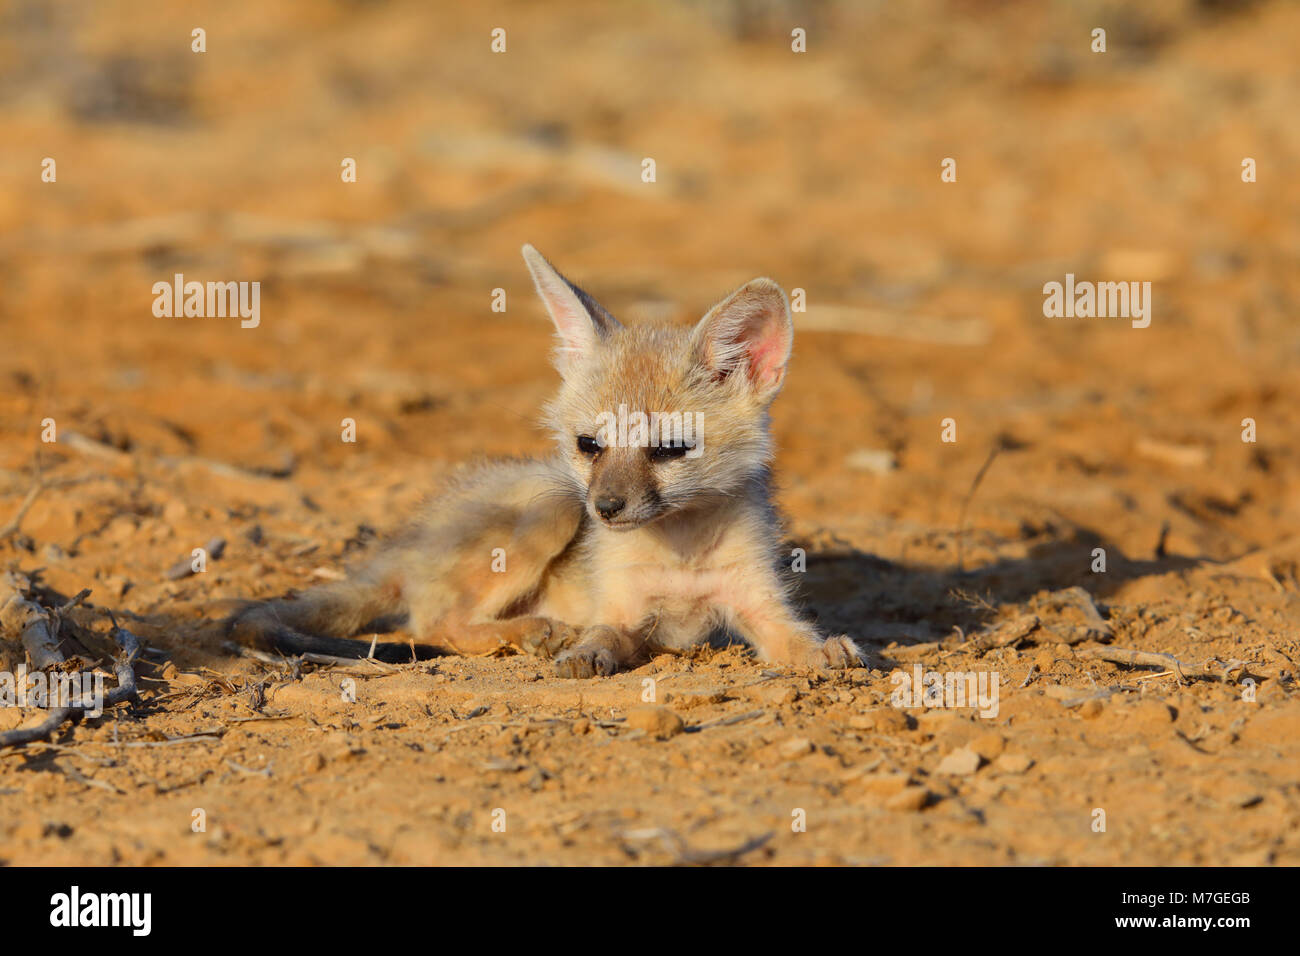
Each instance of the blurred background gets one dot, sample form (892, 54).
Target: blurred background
(820, 169)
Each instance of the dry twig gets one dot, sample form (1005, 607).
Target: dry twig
(39, 629)
(1135, 658)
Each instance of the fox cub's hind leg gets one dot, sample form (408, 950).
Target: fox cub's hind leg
(512, 527)
(466, 576)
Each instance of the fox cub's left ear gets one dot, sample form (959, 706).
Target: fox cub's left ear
(748, 333)
(580, 320)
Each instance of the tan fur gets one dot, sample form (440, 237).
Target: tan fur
(691, 550)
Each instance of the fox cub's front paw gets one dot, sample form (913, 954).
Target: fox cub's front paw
(840, 653)
(586, 661)
(836, 653)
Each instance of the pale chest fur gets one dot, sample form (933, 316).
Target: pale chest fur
(686, 581)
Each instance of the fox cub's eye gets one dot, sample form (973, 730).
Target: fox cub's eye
(588, 445)
(668, 452)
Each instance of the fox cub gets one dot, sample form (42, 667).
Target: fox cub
(629, 540)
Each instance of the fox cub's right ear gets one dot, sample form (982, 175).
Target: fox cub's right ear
(745, 339)
(580, 320)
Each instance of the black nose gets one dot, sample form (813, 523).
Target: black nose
(609, 506)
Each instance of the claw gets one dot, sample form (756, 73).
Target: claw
(841, 653)
(586, 662)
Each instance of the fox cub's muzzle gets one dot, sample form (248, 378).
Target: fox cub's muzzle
(622, 492)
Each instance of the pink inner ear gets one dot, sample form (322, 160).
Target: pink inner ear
(767, 356)
(749, 330)
(573, 329)
(572, 324)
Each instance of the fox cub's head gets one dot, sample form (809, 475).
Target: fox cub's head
(652, 419)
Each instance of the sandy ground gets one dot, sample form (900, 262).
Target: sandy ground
(924, 303)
